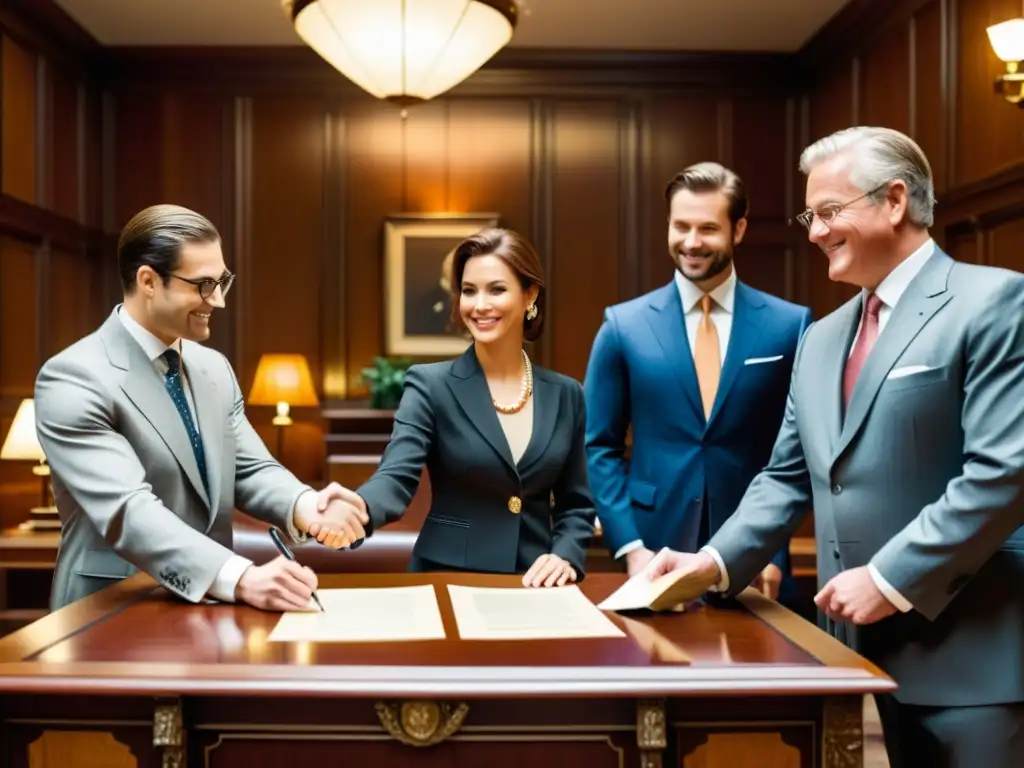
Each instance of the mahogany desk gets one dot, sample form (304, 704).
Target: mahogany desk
(133, 677)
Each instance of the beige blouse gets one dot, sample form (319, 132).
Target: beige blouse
(518, 428)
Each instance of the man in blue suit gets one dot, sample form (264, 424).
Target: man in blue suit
(699, 369)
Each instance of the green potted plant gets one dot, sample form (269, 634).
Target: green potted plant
(385, 379)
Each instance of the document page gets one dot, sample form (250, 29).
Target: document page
(518, 613)
(365, 615)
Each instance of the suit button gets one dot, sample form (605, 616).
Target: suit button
(837, 489)
(835, 553)
(515, 505)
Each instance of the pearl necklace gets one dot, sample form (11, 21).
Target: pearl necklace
(524, 393)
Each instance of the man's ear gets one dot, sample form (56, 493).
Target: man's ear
(146, 279)
(898, 198)
(738, 231)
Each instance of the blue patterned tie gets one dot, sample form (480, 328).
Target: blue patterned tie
(174, 387)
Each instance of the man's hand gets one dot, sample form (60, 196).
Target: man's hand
(280, 585)
(767, 582)
(549, 571)
(338, 519)
(699, 566)
(637, 559)
(852, 596)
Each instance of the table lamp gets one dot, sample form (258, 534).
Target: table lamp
(283, 381)
(22, 444)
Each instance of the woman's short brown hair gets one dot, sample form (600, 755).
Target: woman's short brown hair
(516, 251)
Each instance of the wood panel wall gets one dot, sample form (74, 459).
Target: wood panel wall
(925, 67)
(51, 245)
(298, 170)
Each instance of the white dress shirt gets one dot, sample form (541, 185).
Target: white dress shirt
(226, 581)
(723, 300)
(890, 290)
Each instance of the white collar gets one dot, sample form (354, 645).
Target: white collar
(724, 295)
(151, 345)
(895, 284)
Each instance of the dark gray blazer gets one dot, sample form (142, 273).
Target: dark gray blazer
(487, 512)
(923, 478)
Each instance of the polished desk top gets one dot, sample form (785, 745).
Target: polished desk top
(134, 638)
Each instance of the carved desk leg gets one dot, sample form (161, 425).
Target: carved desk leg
(168, 733)
(651, 734)
(842, 733)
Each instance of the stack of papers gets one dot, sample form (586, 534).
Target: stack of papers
(668, 592)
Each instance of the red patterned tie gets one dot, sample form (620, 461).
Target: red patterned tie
(865, 341)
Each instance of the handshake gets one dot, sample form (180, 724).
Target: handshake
(339, 520)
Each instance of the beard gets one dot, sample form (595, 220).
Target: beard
(712, 263)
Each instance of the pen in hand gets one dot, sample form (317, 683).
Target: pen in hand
(284, 550)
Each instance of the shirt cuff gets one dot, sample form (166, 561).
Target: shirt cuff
(304, 505)
(723, 583)
(226, 581)
(627, 548)
(894, 597)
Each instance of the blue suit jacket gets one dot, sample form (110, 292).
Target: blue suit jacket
(641, 374)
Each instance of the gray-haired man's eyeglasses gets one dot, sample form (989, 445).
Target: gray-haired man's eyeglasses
(827, 213)
(206, 286)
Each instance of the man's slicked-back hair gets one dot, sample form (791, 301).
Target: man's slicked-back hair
(154, 238)
(880, 155)
(712, 177)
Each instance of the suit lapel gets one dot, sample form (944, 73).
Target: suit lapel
(836, 346)
(467, 383)
(925, 296)
(742, 340)
(211, 422)
(545, 415)
(145, 388)
(669, 328)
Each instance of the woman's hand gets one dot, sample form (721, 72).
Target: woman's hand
(549, 571)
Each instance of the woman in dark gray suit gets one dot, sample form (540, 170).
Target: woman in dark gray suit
(502, 439)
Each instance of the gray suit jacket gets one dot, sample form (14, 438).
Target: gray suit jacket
(923, 478)
(125, 480)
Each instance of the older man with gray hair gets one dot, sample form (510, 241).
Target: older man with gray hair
(904, 432)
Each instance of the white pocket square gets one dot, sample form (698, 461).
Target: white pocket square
(908, 370)
(756, 360)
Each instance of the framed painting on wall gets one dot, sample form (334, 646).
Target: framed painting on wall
(418, 249)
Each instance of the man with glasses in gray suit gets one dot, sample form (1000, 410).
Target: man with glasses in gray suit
(904, 432)
(150, 450)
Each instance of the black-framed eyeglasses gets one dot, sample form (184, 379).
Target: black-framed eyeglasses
(827, 213)
(206, 286)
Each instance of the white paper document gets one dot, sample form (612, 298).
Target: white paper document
(365, 615)
(519, 613)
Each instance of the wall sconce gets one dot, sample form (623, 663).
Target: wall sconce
(1007, 40)
(283, 381)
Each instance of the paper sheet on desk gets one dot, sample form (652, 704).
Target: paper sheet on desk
(365, 615)
(518, 613)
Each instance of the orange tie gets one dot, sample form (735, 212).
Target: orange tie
(707, 357)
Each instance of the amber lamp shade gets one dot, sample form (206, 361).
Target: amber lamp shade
(283, 381)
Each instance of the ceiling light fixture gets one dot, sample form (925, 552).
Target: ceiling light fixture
(405, 51)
